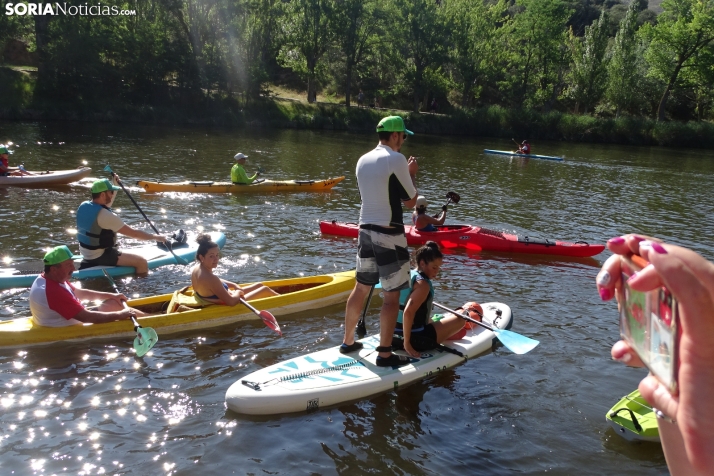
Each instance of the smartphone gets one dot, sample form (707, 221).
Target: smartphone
(649, 323)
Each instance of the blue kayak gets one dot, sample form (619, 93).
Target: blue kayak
(530, 156)
(22, 275)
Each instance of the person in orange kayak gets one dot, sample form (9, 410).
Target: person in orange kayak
(424, 222)
(524, 148)
(211, 288)
(238, 174)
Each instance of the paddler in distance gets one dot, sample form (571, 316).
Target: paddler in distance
(424, 222)
(55, 302)
(238, 174)
(524, 148)
(5, 169)
(97, 228)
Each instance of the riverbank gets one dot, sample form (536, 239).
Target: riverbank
(18, 102)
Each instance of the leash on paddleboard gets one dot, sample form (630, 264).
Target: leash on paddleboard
(146, 337)
(301, 375)
(168, 243)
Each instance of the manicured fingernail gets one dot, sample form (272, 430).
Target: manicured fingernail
(658, 248)
(625, 358)
(605, 294)
(638, 238)
(603, 278)
(618, 240)
(632, 277)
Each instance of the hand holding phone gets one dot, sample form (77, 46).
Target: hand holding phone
(649, 323)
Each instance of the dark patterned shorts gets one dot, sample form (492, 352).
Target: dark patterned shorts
(384, 258)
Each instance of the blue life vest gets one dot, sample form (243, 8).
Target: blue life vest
(90, 235)
(423, 314)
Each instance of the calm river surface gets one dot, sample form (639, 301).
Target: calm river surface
(92, 408)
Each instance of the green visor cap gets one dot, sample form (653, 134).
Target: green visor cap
(393, 124)
(3, 150)
(103, 186)
(57, 255)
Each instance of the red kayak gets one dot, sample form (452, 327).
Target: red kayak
(477, 238)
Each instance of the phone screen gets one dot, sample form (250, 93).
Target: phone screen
(649, 323)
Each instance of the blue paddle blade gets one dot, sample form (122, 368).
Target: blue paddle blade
(108, 169)
(516, 343)
(145, 339)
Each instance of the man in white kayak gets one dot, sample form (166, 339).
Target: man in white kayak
(54, 302)
(386, 179)
(97, 228)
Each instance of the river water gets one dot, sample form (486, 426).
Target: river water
(92, 408)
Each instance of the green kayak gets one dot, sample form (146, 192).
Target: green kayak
(633, 419)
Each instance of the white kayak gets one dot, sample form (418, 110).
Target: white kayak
(39, 179)
(328, 377)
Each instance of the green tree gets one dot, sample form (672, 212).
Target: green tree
(309, 34)
(476, 39)
(623, 73)
(420, 32)
(589, 72)
(538, 52)
(356, 23)
(683, 30)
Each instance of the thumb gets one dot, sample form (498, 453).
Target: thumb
(659, 397)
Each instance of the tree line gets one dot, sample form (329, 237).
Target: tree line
(602, 57)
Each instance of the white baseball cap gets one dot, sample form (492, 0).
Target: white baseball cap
(240, 155)
(421, 201)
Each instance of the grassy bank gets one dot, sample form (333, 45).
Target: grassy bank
(18, 102)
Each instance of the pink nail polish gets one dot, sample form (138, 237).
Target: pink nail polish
(659, 248)
(638, 238)
(605, 294)
(632, 277)
(618, 240)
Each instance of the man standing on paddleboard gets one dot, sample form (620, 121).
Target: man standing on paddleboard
(386, 179)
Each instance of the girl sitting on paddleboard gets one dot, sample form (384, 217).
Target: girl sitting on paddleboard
(414, 322)
(424, 222)
(209, 287)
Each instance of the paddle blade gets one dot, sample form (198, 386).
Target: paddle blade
(516, 343)
(145, 339)
(270, 321)
(453, 196)
(108, 169)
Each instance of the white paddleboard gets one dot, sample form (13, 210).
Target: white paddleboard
(328, 377)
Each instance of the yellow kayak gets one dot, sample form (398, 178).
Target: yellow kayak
(228, 187)
(297, 294)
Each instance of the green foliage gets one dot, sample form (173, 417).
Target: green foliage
(588, 73)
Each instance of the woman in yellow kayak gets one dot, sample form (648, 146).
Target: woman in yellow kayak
(210, 288)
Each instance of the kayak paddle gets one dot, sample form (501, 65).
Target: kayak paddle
(146, 337)
(266, 316)
(516, 343)
(451, 197)
(361, 326)
(168, 244)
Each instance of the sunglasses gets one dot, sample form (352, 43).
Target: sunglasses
(404, 137)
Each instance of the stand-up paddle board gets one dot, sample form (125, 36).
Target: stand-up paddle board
(328, 377)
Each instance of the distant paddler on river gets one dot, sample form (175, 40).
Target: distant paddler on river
(523, 148)
(238, 174)
(5, 169)
(97, 228)
(54, 302)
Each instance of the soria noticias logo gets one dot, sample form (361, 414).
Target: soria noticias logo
(57, 8)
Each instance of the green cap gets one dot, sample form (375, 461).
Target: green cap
(103, 186)
(57, 255)
(3, 150)
(393, 124)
